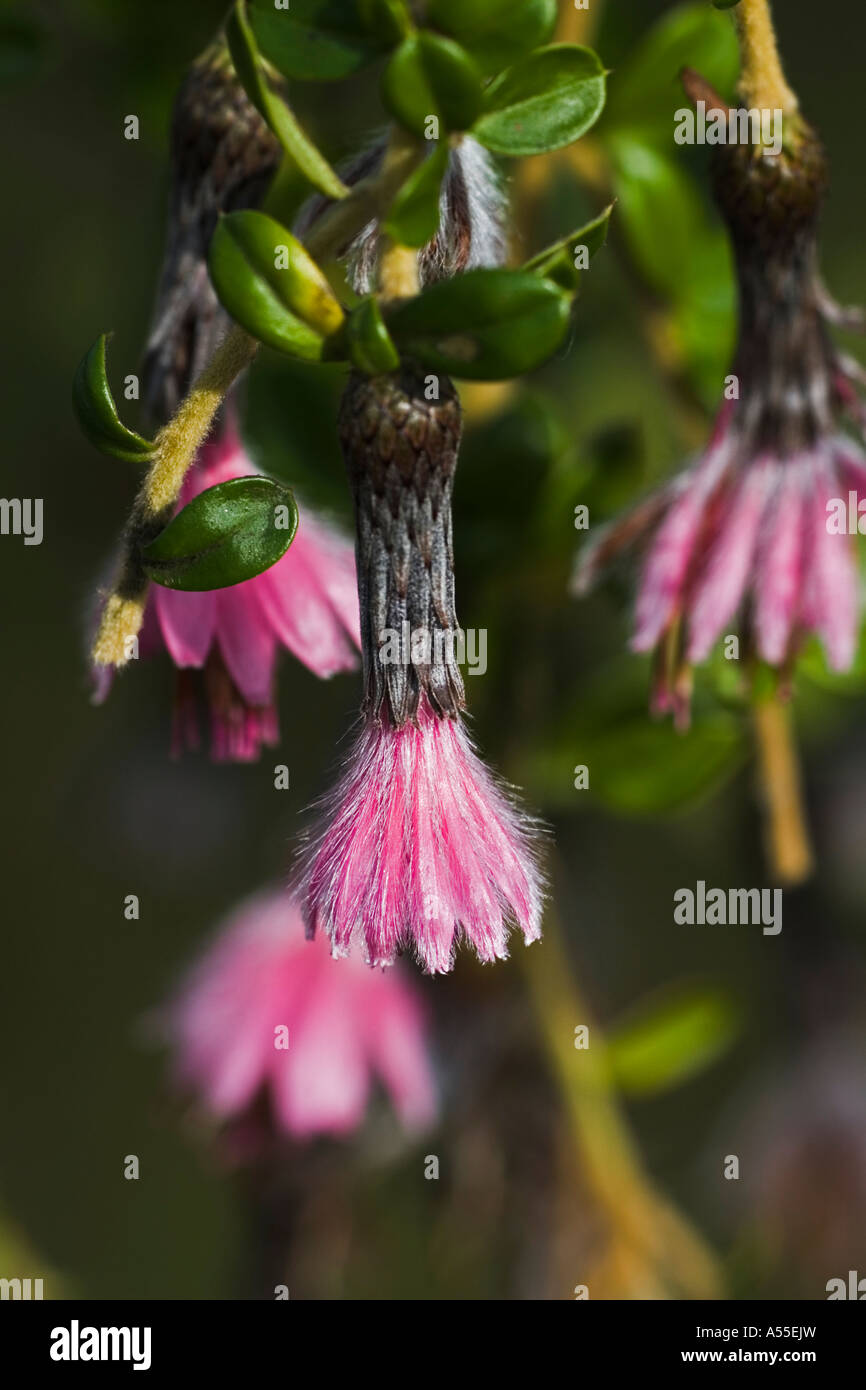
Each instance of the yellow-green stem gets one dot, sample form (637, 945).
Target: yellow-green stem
(637, 1216)
(787, 835)
(762, 82)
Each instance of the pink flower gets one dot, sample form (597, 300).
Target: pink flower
(419, 847)
(751, 530)
(306, 602)
(266, 1015)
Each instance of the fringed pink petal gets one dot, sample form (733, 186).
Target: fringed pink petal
(187, 622)
(667, 565)
(310, 598)
(831, 601)
(779, 568)
(720, 589)
(246, 642)
(421, 845)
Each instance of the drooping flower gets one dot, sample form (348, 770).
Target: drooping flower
(223, 157)
(752, 527)
(418, 845)
(268, 1021)
(306, 602)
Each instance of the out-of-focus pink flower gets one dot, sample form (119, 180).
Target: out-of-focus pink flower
(420, 847)
(751, 530)
(262, 986)
(306, 602)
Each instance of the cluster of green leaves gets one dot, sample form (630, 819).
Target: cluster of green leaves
(480, 67)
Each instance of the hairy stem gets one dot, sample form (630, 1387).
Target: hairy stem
(788, 844)
(179, 441)
(762, 82)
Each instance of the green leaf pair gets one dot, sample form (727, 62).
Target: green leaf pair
(270, 284)
(228, 534)
(547, 100)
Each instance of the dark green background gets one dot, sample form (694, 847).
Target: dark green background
(95, 810)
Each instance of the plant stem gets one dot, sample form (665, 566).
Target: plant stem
(788, 845)
(762, 82)
(657, 1238)
(179, 441)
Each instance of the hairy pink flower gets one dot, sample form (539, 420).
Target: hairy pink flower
(418, 846)
(267, 1016)
(752, 528)
(306, 602)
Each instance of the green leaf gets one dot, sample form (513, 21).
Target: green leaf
(667, 1041)
(431, 76)
(638, 766)
(413, 219)
(680, 252)
(97, 413)
(484, 325)
(370, 346)
(269, 284)
(495, 32)
(558, 262)
(544, 102)
(314, 40)
(299, 148)
(647, 89)
(227, 534)
(389, 20)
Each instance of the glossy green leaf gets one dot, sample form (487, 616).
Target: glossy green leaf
(97, 413)
(297, 145)
(667, 1041)
(371, 348)
(227, 534)
(485, 325)
(544, 102)
(314, 40)
(560, 261)
(432, 76)
(413, 218)
(269, 284)
(495, 32)
(648, 90)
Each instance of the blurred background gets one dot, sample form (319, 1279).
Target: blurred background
(721, 1041)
